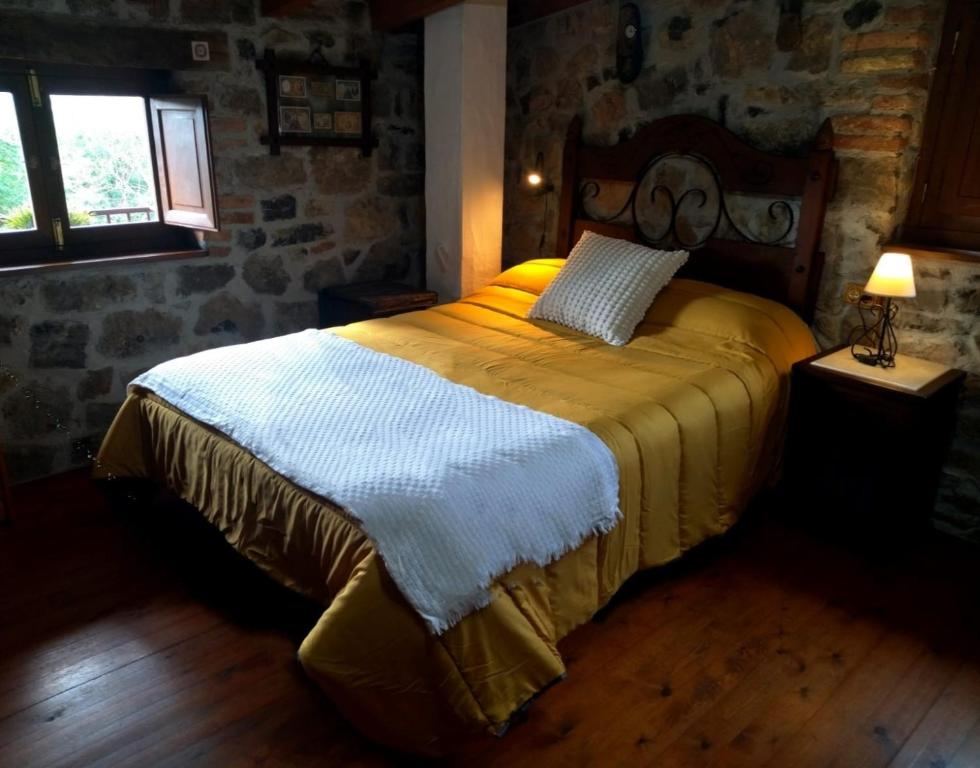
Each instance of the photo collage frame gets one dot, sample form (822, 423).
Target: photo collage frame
(317, 104)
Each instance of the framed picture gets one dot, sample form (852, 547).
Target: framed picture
(347, 122)
(348, 90)
(322, 89)
(311, 102)
(292, 87)
(294, 120)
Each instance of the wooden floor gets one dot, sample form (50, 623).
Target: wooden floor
(776, 647)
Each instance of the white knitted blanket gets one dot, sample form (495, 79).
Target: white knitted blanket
(453, 486)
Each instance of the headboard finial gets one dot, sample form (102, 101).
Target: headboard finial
(569, 188)
(825, 136)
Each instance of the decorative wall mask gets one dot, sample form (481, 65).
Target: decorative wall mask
(789, 36)
(629, 44)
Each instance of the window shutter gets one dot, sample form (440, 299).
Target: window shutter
(183, 160)
(945, 207)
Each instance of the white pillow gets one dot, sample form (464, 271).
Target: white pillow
(606, 287)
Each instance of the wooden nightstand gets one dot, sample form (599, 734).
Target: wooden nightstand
(345, 304)
(865, 446)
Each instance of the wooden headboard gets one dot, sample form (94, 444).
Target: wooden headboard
(728, 253)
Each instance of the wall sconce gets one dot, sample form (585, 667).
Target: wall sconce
(876, 343)
(536, 180)
(538, 184)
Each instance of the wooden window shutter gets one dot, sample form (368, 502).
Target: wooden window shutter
(945, 206)
(183, 159)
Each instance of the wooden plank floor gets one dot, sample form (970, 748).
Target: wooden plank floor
(119, 646)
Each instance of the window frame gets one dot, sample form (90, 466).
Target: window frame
(37, 128)
(41, 236)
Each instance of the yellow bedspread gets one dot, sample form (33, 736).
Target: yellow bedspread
(692, 408)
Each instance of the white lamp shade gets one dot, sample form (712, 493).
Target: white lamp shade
(892, 277)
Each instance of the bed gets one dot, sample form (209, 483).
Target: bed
(692, 410)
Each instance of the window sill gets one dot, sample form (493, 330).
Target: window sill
(50, 266)
(938, 252)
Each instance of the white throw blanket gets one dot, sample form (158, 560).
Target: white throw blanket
(453, 486)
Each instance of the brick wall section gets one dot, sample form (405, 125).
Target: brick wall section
(71, 340)
(863, 63)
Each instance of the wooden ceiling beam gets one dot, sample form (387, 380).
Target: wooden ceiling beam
(525, 11)
(388, 15)
(284, 7)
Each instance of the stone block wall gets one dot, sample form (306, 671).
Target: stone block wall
(772, 78)
(70, 340)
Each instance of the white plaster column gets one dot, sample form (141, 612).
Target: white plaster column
(465, 102)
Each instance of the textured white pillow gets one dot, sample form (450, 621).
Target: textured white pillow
(606, 287)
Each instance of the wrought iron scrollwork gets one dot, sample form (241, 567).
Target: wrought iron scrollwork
(696, 196)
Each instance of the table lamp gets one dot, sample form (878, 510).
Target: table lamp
(892, 279)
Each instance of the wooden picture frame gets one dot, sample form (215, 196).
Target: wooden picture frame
(314, 104)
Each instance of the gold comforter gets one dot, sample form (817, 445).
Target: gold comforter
(692, 408)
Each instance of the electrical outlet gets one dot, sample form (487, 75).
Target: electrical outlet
(853, 293)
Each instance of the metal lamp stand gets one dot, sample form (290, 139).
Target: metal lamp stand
(876, 344)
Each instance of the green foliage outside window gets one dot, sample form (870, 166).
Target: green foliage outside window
(99, 174)
(13, 179)
(109, 172)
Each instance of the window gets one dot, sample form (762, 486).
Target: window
(16, 205)
(92, 165)
(945, 206)
(104, 146)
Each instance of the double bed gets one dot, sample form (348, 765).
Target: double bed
(692, 410)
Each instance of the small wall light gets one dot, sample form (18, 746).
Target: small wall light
(876, 344)
(538, 184)
(536, 177)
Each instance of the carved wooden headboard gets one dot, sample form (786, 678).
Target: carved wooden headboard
(783, 263)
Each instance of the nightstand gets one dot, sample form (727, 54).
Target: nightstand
(345, 304)
(866, 445)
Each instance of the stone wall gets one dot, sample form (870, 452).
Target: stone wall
(71, 340)
(773, 79)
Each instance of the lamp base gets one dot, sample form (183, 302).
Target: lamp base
(876, 343)
(872, 358)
